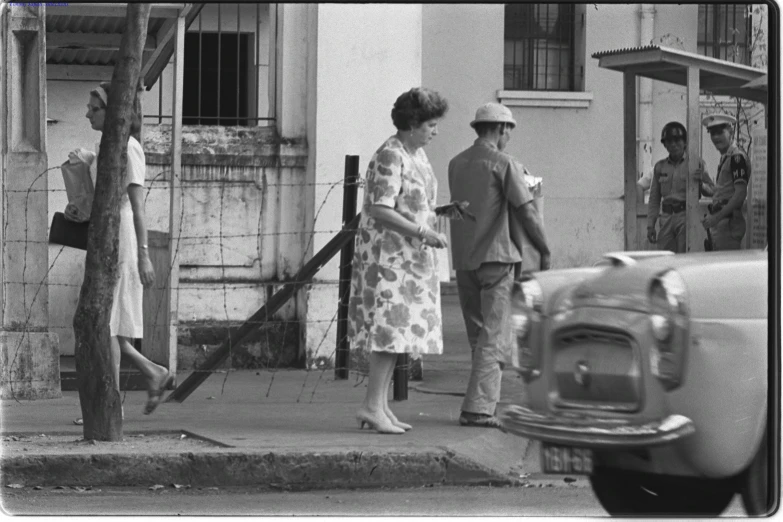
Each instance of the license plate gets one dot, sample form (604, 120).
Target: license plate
(566, 459)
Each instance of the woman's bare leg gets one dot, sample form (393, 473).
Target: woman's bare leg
(372, 410)
(153, 372)
(386, 408)
(115, 361)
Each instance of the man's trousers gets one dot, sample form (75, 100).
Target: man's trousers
(485, 297)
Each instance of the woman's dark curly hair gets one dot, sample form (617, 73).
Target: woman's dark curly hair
(416, 106)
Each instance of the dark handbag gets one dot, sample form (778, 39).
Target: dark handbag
(68, 233)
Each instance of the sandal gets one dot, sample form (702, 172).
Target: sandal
(155, 394)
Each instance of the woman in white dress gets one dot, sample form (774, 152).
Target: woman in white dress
(134, 265)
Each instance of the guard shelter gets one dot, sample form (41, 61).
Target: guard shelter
(697, 73)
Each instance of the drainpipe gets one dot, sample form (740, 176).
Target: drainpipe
(646, 134)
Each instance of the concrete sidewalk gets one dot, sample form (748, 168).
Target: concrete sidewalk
(287, 428)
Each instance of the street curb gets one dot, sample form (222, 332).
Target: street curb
(300, 471)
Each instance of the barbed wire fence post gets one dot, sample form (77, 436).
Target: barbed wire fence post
(350, 190)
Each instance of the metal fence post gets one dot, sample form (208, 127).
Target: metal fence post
(400, 377)
(350, 190)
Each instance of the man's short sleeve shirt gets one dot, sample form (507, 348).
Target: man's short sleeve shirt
(493, 183)
(733, 169)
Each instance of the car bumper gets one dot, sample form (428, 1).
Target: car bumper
(591, 432)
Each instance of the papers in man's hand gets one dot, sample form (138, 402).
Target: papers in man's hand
(78, 184)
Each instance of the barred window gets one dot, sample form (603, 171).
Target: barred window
(218, 77)
(540, 47)
(725, 32)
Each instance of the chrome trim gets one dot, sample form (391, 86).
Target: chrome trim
(630, 258)
(594, 432)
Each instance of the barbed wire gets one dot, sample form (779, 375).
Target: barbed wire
(195, 184)
(285, 319)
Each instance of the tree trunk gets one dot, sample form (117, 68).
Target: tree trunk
(98, 392)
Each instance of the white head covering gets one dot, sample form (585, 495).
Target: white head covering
(103, 95)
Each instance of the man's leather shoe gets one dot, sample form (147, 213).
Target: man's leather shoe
(479, 420)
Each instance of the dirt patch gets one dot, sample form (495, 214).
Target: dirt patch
(133, 442)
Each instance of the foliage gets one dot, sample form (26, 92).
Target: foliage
(748, 114)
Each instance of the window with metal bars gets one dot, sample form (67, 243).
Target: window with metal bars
(541, 43)
(725, 32)
(216, 74)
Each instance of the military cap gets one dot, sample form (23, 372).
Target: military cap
(713, 120)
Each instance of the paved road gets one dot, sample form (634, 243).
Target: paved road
(439, 500)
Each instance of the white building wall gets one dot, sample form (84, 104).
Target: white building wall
(577, 151)
(570, 148)
(367, 55)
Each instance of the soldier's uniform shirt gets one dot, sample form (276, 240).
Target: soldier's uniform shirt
(733, 169)
(669, 186)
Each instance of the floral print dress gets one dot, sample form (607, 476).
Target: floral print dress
(395, 290)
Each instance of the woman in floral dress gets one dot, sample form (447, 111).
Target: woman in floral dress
(395, 291)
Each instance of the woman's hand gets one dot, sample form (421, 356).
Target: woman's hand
(433, 239)
(146, 271)
(72, 213)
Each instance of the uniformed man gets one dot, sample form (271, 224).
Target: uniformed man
(485, 252)
(668, 190)
(725, 220)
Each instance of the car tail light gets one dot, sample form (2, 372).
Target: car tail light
(669, 328)
(526, 305)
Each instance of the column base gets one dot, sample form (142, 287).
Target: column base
(30, 365)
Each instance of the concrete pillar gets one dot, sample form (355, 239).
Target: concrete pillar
(29, 354)
(291, 69)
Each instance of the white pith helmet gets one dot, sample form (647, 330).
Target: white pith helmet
(493, 113)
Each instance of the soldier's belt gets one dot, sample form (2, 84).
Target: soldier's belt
(673, 208)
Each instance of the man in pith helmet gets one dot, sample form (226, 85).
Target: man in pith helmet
(485, 253)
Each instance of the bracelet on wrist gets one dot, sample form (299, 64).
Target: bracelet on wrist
(420, 232)
(143, 247)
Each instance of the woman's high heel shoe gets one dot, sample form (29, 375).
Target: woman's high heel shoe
(381, 426)
(402, 425)
(398, 422)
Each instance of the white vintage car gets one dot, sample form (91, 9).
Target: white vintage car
(649, 373)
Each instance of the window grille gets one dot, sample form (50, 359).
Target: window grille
(725, 32)
(540, 43)
(216, 71)
(221, 69)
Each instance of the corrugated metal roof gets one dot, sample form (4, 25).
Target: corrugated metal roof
(94, 24)
(626, 50)
(84, 24)
(91, 25)
(80, 56)
(672, 66)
